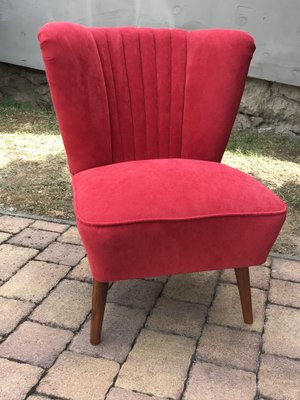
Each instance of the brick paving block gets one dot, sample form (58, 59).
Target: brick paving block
(229, 347)
(259, 277)
(197, 287)
(116, 393)
(13, 224)
(17, 379)
(162, 278)
(49, 226)
(282, 331)
(120, 327)
(285, 292)
(227, 310)
(77, 377)
(82, 271)
(278, 378)
(34, 281)
(34, 238)
(62, 253)
(67, 305)
(12, 258)
(157, 364)
(4, 236)
(286, 269)
(11, 313)
(135, 293)
(35, 344)
(268, 262)
(71, 236)
(177, 317)
(208, 381)
(37, 397)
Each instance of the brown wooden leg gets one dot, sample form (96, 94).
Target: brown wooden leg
(243, 281)
(98, 307)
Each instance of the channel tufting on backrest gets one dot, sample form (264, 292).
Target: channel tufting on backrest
(144, 72)
(142, 93)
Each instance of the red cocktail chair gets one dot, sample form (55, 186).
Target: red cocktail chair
(145, 116)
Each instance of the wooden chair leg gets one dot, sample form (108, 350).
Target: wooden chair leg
(98, 307)
(243, 281)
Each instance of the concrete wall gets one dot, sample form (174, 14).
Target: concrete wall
(274, 24)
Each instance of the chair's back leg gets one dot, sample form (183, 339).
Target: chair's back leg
(98, 307)
(243, 281)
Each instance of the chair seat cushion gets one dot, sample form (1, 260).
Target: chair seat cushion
(137, 209)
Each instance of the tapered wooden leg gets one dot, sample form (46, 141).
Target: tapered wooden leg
(98, 307)
(243, 281)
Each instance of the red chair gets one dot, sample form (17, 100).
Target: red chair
(145, 115)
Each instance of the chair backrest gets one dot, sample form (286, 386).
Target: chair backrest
(125, 94)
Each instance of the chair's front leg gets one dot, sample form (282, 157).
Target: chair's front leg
(243, 281)
(98, 307)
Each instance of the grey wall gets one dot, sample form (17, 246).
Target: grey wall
(274, 24)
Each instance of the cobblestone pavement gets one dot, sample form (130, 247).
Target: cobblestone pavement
(178, 337)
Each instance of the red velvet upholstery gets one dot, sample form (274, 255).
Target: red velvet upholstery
(145, 116)
(167, 216)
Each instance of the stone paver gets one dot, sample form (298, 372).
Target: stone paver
(13, 224)
(282, 331)
(279, 378)
(162, 278)
(195, 288)
(82, 271)
(268, 262)
(231, 347)
(259, 277)
(135, 293)
(151, 328)
(123, 394)
(17, 379)
(286, 269)
(285, 292)
(12, 258)
(157, 364)
(177, 317)
(37, 397)
(71, 236)
(208, 381)
(11, 313)
(35, 344)
(34, 281)
(67, 305)
(120, 327)
(78, 377)
(37, 239)
(4, 236)
(49, 226)
(226, 309)
(62, 253)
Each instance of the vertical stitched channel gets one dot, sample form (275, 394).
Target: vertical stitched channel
(184, 90)
(129, 92)
(114, 85)
(107, 97)
(143, 88)
(157, 108)
(171, 94)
